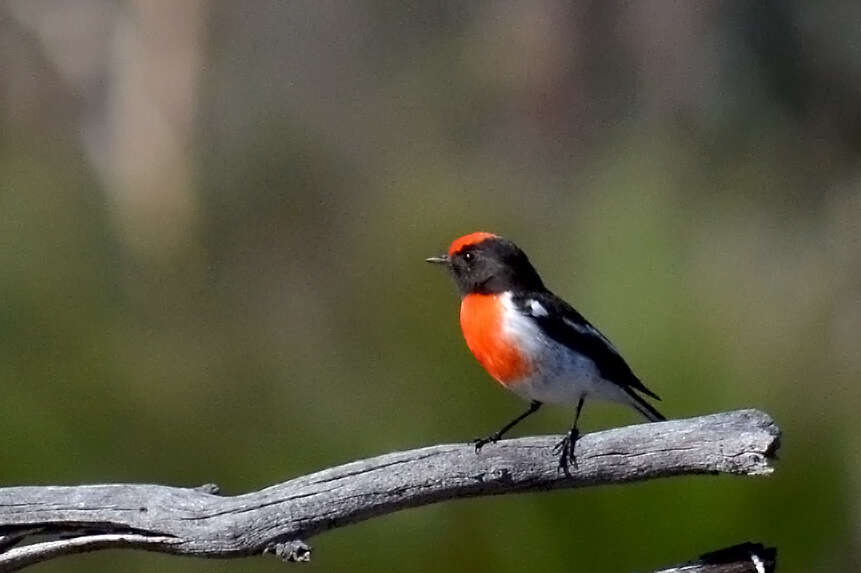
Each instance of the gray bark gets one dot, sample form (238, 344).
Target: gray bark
(61, 520)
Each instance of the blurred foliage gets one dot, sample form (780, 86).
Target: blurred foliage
(687, 174)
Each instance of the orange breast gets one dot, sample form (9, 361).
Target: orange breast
(481, 317)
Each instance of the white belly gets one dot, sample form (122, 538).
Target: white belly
(561, 377)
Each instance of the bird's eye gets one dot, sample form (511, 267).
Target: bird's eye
(468, 256)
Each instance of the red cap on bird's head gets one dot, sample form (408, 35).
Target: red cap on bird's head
(469, 240)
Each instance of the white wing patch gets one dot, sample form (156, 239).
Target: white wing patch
(536, 308)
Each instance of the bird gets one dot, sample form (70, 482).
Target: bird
(533, 342)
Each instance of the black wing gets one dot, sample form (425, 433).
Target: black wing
(566, 326)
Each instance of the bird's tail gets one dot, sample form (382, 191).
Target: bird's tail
(647, 410)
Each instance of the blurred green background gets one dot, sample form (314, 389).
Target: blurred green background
(214, 215)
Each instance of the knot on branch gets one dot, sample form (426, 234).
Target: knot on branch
(210, 488)
(293, 551)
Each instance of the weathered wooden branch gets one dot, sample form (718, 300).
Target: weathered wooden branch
(742, 558)
(62, 520)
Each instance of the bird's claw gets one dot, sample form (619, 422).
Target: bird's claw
(565, 450)
(481, 442)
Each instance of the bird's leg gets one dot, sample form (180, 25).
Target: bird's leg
(496, 436)
(565, 448)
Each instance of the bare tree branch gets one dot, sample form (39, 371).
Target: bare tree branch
(195, 521)
(742, 558)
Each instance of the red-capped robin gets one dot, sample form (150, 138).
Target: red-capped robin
(533, 342)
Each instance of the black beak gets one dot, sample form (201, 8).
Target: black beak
(440, 260)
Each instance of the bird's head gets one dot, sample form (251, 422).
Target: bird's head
(484, 263)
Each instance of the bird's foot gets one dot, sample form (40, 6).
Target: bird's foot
(481, 442)
(565, 450)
